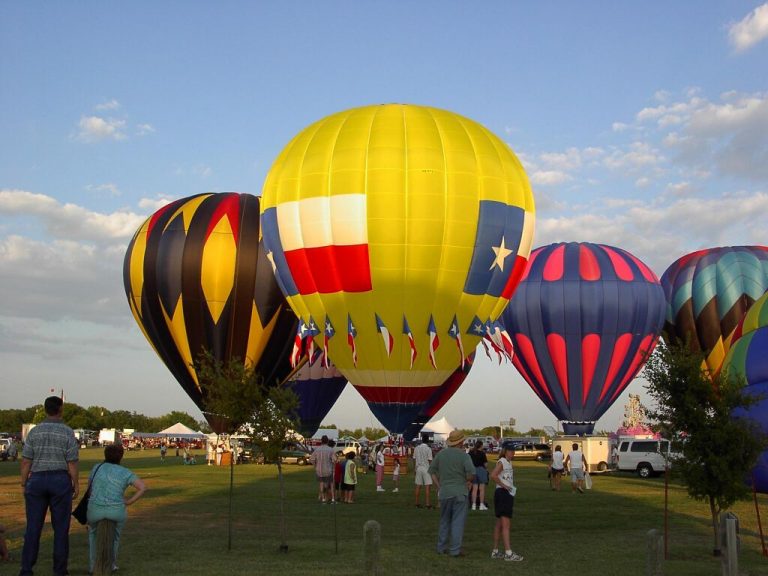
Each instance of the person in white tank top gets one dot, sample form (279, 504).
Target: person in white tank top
(556, 468)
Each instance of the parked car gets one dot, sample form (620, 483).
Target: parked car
(291, 453)
(531, 451)
(646, 457)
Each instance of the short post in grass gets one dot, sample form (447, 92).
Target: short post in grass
(654, 553)
(372, 545)
(729, 537)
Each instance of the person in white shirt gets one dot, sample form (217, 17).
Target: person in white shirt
(576, 463)
(557, 467)
(504, 502)
(422, 456)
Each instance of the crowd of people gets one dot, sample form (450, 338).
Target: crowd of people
(50, 480)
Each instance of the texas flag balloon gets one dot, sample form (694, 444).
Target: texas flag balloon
(407, 214)
(583, 321)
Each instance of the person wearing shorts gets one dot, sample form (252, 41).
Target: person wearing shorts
(576, 463)
(422, 456)
(350, 479)
(323, 461)
(556, 470)
(504, 503)
(479, 459)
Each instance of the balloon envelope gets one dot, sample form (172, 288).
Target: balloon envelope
(439, 398)
(748, 358)
(708, 292)
(583, 320)
(197, 279)
(318, 389)
(392, 229)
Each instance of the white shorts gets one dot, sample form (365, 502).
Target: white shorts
(422, 477)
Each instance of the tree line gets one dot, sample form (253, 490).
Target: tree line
(96, 418)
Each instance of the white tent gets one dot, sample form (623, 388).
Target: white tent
(179, 430)
(440, 428)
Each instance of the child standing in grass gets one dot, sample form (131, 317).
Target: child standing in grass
(504, 502)
(396, 475)
(350, 479)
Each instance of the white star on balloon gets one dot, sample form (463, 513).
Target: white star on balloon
(501, 252)
(271, 258)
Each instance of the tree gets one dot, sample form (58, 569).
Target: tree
(274, 419)
(236, 395)
(716, 451)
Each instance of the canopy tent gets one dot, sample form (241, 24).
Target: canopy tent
(440, 428)
(178, 430)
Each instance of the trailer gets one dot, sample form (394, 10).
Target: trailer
(596, 449)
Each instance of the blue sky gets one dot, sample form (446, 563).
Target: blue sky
(641, 125)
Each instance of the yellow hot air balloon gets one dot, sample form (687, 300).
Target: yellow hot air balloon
(398, 234)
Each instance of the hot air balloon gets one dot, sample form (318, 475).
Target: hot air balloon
(748, 358)
(708, 292)
(197, 278)
(583, 320)
(439, 398)
(394, 230)
(318, 387)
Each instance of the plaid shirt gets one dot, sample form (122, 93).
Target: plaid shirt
(50, 445)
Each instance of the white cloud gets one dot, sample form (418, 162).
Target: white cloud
(639, 155)
(658, 231)
(144, 129)
(109, 105)
(95, 128)
(108, 189)
(751, 30)
(642, 182)
(680, 188)
(154, 204)
(69, 221)
(548, 177)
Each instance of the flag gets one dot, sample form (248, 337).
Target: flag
(455, 333)
(389, 341)
(411, 341)
(312, 331)
(434, 341)
(319, 259)
(506, 340)
(327, 335)
(351, 335)
(490, 336)
(297, 343)
(496, 264)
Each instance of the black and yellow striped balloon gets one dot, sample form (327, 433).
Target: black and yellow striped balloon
(197, 278)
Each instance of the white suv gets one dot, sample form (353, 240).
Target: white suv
(646, 457)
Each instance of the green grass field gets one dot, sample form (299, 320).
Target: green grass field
(180, 526)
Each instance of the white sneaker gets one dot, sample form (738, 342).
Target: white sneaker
(395, 490)
(380, 489)
(512, 557)
(474, 506)
(483, 507)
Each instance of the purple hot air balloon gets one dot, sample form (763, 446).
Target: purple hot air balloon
(583, 320)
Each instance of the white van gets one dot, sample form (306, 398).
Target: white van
(644, 456)
(348, 446)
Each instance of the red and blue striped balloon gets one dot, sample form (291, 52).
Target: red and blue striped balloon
(583, 321)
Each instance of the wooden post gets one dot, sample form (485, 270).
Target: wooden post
(372, 545)
(654, 553)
